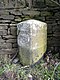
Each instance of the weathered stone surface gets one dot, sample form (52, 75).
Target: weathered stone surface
(13, 22)
(41, 18)
(1, 40)
(50, 17)
(26, 18)
(9, 31)
(4, 12)
(56, 30)
(3, 32)
(13, 30)
(1, 4)
(51, 22)
(45, 13)
(53, 42)
(32, 40)
(3, 27)
(59, 22)
(12, 25)
(18, 20)
(55, 39)
(7, 17)
(57, 14)
(4, 24)
(0, 37)
(5, 46)
(8, 51)
(9, 37)
(49, 29)
(56, 35)
(14, 45)
(31, 13)
(16, 13)
(11, 40)
(4, 21)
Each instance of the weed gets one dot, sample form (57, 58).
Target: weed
(40, 71)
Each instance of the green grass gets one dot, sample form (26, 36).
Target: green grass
(40, 71)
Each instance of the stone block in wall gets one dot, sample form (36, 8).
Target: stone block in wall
(45, 13)
(16, 13)
(13, 30)
(57, 14)
(7, 17)
(41, 18)
(5, 21)
(51, 22)
(5, 46)
(9, 37)
(58, 22)
(49, 18)
(49, 34)
(30, 13)
(3, 27)
(56, 28)
(11, 40)
(53, 42)
(26, 18)
(18, 20)
(9, 31)
(4, 12)
(2, 41)
(6, 24)
(49, 39)
(39, 3)
(56, 44)
(13, 22)
(49, 29)
(56, 39)
(3, 32)
(14, 45)
(1, 4)
(8, 51)
(52, 27)
(13, 25)
(49, 43)
(0, 37)
(56, 34)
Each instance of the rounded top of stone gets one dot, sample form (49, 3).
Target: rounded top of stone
(32, 21)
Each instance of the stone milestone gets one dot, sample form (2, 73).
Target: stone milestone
(32, 40)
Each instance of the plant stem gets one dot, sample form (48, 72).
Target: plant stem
(55, 2)
(54, 70)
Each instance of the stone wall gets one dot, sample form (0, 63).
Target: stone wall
(13, 12)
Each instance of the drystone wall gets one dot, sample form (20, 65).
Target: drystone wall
(14, 11)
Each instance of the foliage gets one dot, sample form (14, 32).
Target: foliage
(40, 71)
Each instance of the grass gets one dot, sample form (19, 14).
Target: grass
(47, 69)
(41, 71)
